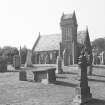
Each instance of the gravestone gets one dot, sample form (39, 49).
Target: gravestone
(10, 67)
(59, 65)
(90, 60)
(102, 57)
(16, 61)
(28, 62)
(83, 94)
(47, 59)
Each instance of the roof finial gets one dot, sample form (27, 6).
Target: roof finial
(74, 17)
(87, 32)
(62, 15)
(74, 12)
(86, 28)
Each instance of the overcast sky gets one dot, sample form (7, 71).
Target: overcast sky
(22, 20)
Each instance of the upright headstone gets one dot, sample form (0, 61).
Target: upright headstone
(64, 57)
(59, 65)
(93, 59)
(16, 61)
(90, 60)
(28, 62)
(20, 55)
(83, 94)
(104, 58)
(47, 60)
(102, 61)
(10, 67)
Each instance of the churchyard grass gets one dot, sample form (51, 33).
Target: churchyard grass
(16, 92)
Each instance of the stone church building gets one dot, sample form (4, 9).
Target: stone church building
(67, 44)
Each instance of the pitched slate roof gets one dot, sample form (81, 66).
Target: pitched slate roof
(51, 42)
(48, 42)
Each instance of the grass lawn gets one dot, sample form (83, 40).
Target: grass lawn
(15, 92)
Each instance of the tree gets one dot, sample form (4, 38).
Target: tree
(9, 52)
(99, 44)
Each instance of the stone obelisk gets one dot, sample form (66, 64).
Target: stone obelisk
(28, 62)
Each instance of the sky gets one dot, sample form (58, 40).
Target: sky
(22, 20)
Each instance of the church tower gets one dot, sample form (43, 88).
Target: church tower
(69, 38)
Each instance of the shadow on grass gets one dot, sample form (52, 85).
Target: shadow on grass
(61, 77)
(99, 66)
(30, 80)
(62, 83)
(94, 80)
(96, 102)
(70, 73)
(13, 71)
(98, 75)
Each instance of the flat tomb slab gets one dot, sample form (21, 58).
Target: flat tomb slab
(45, 75)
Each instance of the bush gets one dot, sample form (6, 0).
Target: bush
(3, 63)
(9, 52)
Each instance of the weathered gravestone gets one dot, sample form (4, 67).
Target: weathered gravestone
(59, 65)
(83, 94)
(102, 61)
(10, 67)
(28, 62)
(90, 60)
(102, 56)
(16, 61)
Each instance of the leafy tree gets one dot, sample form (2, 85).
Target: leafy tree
(99, 44)
(9, 52)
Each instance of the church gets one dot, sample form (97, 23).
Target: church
(66, 44)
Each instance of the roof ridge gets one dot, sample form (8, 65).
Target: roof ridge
(50, 34)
